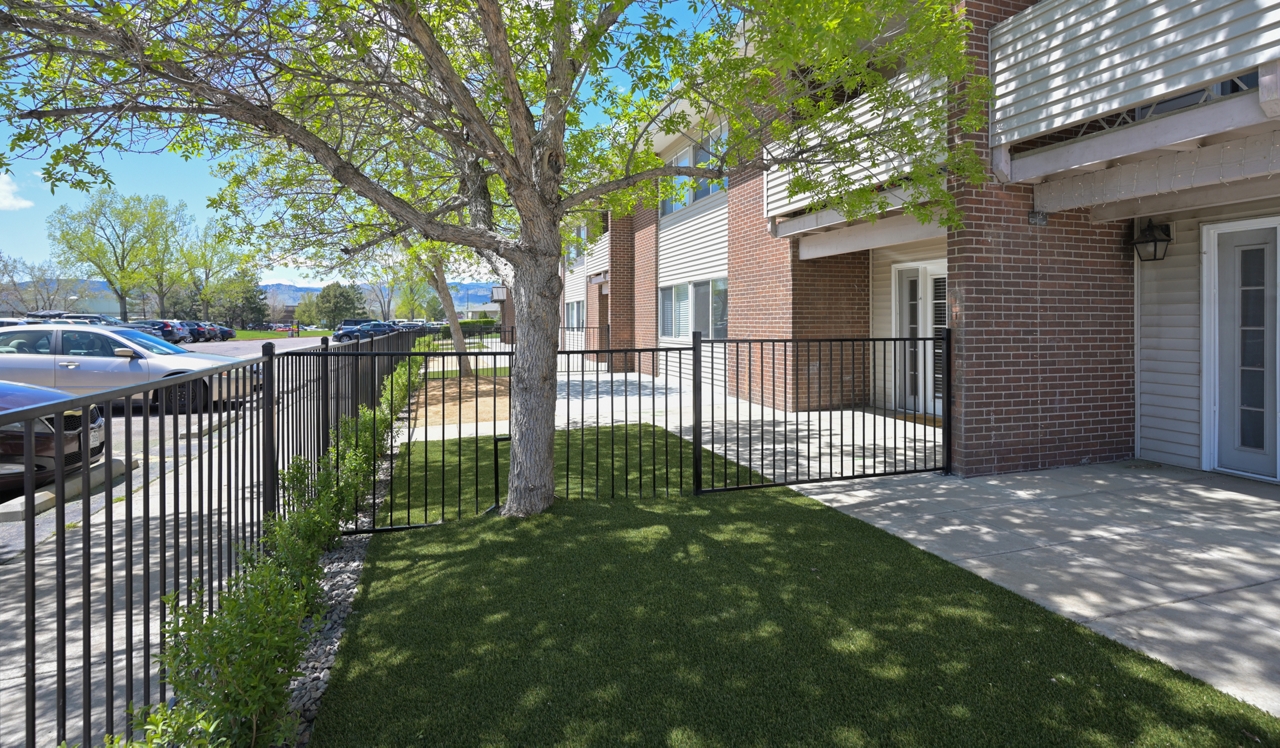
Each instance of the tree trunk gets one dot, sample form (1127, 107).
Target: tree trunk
(441, 285)
(124, 307)
(535, 291)
(160, 303)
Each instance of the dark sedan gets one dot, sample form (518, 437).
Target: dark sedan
(199, 331)
(170, 332)
(367, 330)
(13, 396)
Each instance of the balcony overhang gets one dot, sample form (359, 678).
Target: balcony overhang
(1246, 110)
(885, 232)
(1214, 166)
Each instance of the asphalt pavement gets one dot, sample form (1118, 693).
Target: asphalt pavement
(251, 348)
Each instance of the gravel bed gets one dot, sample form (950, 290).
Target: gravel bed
(341, 575)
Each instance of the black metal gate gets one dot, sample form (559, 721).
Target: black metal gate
(784, 412)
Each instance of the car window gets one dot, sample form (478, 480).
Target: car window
(76, 343)
(150, 344)
(26, 341)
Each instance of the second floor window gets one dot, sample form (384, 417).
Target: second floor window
(695, 155)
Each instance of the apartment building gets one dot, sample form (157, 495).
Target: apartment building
(1112, 291)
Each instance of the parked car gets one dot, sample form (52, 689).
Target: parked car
(224, 333)
(15, 395)
(199, 332)
(94, 319)
(11, 321)
(410, 325)
(83, 361)
(172, 332)
(148, 329)
(367, 330)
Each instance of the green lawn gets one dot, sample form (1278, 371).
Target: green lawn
(757, 618)
(497, 371)
(455, 478)
(272, 335)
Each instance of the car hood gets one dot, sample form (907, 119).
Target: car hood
(14, 395)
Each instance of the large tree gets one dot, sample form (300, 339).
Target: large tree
(210, 257)
(108, 240)
(161, 271)
(509, 115)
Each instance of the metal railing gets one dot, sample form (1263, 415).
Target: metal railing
(783, 412)
(175, 487)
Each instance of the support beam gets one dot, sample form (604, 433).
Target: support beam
(825, 220)
(1222, 163)
(1161, 131)
(901, 229)
(1269, 87)
(1203, 197)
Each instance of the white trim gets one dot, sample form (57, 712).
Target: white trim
(1137, 359)
(1209, 374)
(1226, 114)
(903, 229)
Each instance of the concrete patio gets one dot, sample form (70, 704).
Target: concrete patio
(1180, 564)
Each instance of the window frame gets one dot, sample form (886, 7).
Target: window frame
(713, 331)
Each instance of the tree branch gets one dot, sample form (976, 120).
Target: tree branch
(54, 114)
(631, 180)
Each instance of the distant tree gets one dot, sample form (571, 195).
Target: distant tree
(416, 298)
(210, 257)
(161, 271)
(107, 240)
(337, 302)
(32, 286)
(381, 277)
(308, 310)
(238, 300)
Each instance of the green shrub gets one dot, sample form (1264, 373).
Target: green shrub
(235, 664)
(165, 726)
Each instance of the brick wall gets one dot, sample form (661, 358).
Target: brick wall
(1042, 318)
(644, 223)
(773, 294)
(622, 282)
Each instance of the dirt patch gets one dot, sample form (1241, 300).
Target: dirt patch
(456, 400)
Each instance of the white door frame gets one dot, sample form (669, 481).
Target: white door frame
(1209, 373)
(932, 269)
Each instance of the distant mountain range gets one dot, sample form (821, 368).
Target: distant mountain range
(291, 293)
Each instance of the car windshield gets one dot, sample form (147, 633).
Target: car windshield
(149, 343)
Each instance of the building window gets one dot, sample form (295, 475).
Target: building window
(697, 155)
(701, 306)
(575, 314)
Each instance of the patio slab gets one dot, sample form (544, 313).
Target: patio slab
(1182, 565)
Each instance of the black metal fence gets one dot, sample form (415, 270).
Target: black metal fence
(184, 471)
(174, 488)
(782, 412)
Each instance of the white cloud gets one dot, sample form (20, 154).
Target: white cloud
(9, 199)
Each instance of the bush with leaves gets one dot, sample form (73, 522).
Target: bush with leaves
(235, 663)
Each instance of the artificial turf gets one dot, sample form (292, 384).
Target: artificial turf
(755, 618)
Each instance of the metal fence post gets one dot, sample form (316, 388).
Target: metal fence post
(946, 400)
(271, 486)
(697, 412)
(324, 398)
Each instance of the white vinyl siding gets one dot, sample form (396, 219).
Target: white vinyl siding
(597, 261)
(1169, 367)
(1062, 62)
(882, 261)
(777, 181)
(693, 243)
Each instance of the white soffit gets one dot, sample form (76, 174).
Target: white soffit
(1222, 163)
(883, 233)
(1240, 111)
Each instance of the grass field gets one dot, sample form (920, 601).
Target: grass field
(754, 618)
(271, 335)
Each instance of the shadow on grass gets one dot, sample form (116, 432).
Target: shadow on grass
(754, 618)
(454, 478)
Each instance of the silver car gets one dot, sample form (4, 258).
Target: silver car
(82, 360)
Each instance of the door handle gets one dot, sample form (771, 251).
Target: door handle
(69, 364)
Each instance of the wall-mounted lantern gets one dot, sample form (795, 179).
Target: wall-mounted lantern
(1152, 242)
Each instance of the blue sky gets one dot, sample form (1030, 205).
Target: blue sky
(25, 201)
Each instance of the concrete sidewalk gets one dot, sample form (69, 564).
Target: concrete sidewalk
(1182, 565)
